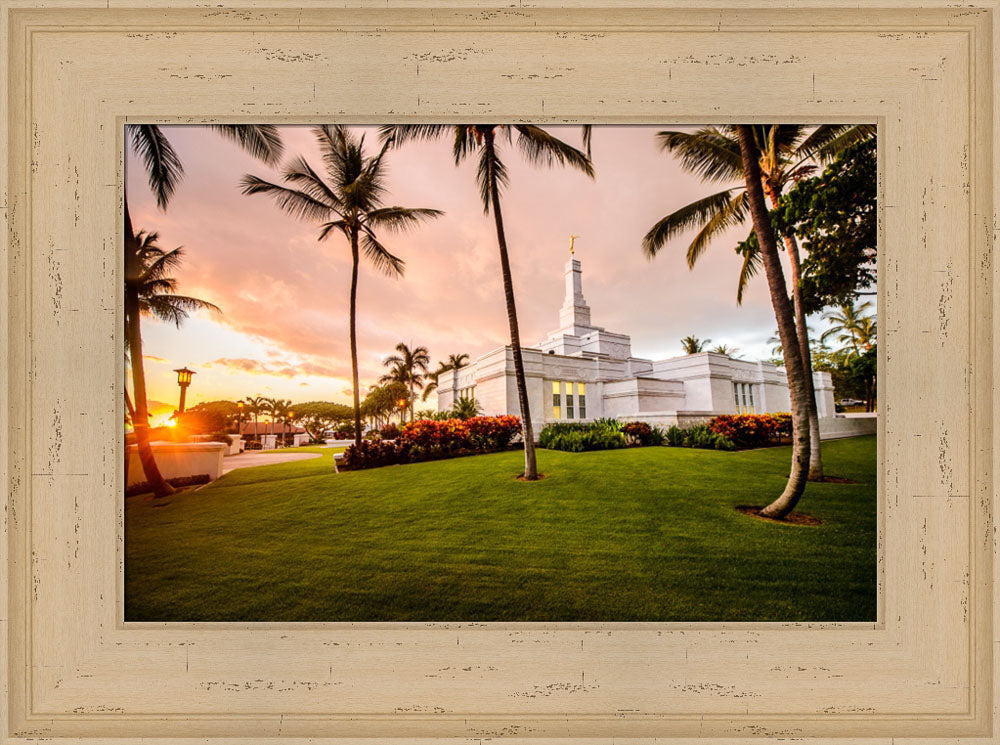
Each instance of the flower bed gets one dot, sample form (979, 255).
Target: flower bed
(427, 439)
(753, 430)
(577, 437)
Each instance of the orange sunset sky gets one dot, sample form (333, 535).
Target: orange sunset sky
(284, 295)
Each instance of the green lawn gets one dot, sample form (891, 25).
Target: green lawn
(644, 534)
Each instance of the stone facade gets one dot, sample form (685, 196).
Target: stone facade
(582, 372)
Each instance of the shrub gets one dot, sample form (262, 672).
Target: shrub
(374, 453)
(390, 431)
(221, 437)
(752, 430)
(675, 436)
(429, 439)
(640, 433)
(576, 437)
(698, 436)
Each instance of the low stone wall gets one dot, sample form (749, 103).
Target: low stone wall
(175, 459)
(849, 425)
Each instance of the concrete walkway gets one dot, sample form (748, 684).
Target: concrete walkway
(246, 460)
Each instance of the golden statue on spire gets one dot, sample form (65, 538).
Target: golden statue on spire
(572, 238)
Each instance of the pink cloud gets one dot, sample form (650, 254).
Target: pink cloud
(278, 285)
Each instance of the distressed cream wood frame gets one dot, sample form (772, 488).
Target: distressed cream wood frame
(78, 69)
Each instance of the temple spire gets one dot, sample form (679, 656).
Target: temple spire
(575, 312)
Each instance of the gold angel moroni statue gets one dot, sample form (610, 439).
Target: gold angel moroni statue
(572, 238)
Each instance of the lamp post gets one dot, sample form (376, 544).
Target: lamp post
(402, 410)
(239, 419)
(290, 416)
(183, 380)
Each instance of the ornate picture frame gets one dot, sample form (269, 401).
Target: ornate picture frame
(77, 71)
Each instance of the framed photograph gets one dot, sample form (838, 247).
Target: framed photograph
(499, 373)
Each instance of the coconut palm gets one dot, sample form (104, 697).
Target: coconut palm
(795, 368)
(846, 324)
(349, 202)
(455, 363)
(485, 141)
(150, 291)
(409, 366)
(255, 406)
(692, 344)
(433, 380)
(787, 154)
(165, 170)
(725, 349)
(466, 408)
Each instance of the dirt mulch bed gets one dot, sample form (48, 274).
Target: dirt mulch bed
(836, 480)
(793, 518)
(520, 477)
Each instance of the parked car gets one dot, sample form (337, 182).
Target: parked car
(850, 402)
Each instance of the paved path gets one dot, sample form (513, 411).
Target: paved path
(246, 460)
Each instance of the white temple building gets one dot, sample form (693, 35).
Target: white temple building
(582, 372)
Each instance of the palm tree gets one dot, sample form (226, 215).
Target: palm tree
(466, 408)
(348, 202)
(725, 349)
(150, 291)
(165, 170)
(255, 405)
(846, 324)
(280, 409)
(455, 363)
(409, 367)
(538, 147)
(786, 153)
(434, 379)
(692, 344)
(794, 363)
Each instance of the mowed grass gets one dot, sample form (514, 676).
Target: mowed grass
(644, 534)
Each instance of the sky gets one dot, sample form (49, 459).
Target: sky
(283, 294)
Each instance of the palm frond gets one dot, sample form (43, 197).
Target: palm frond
(686, 218)
(262, 141)
(465, 142)
(400, 133)
(491, 170)
(325, 229)
(296, 203)
(829, 140)
(541, 147)
(398, 219)
(752, 263)
(163, 167)
(709, 153)
(380, 257)
(300, 173)
(732, 213)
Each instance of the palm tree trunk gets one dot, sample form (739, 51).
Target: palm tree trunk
(131, 415)
(354, 336)
(795, 371)
(530, 464)
(133, 336)
(815, 453)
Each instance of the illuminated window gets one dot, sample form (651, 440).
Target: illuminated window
(743, 394)
(569, 400)
(581, 391)
(556, 401)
